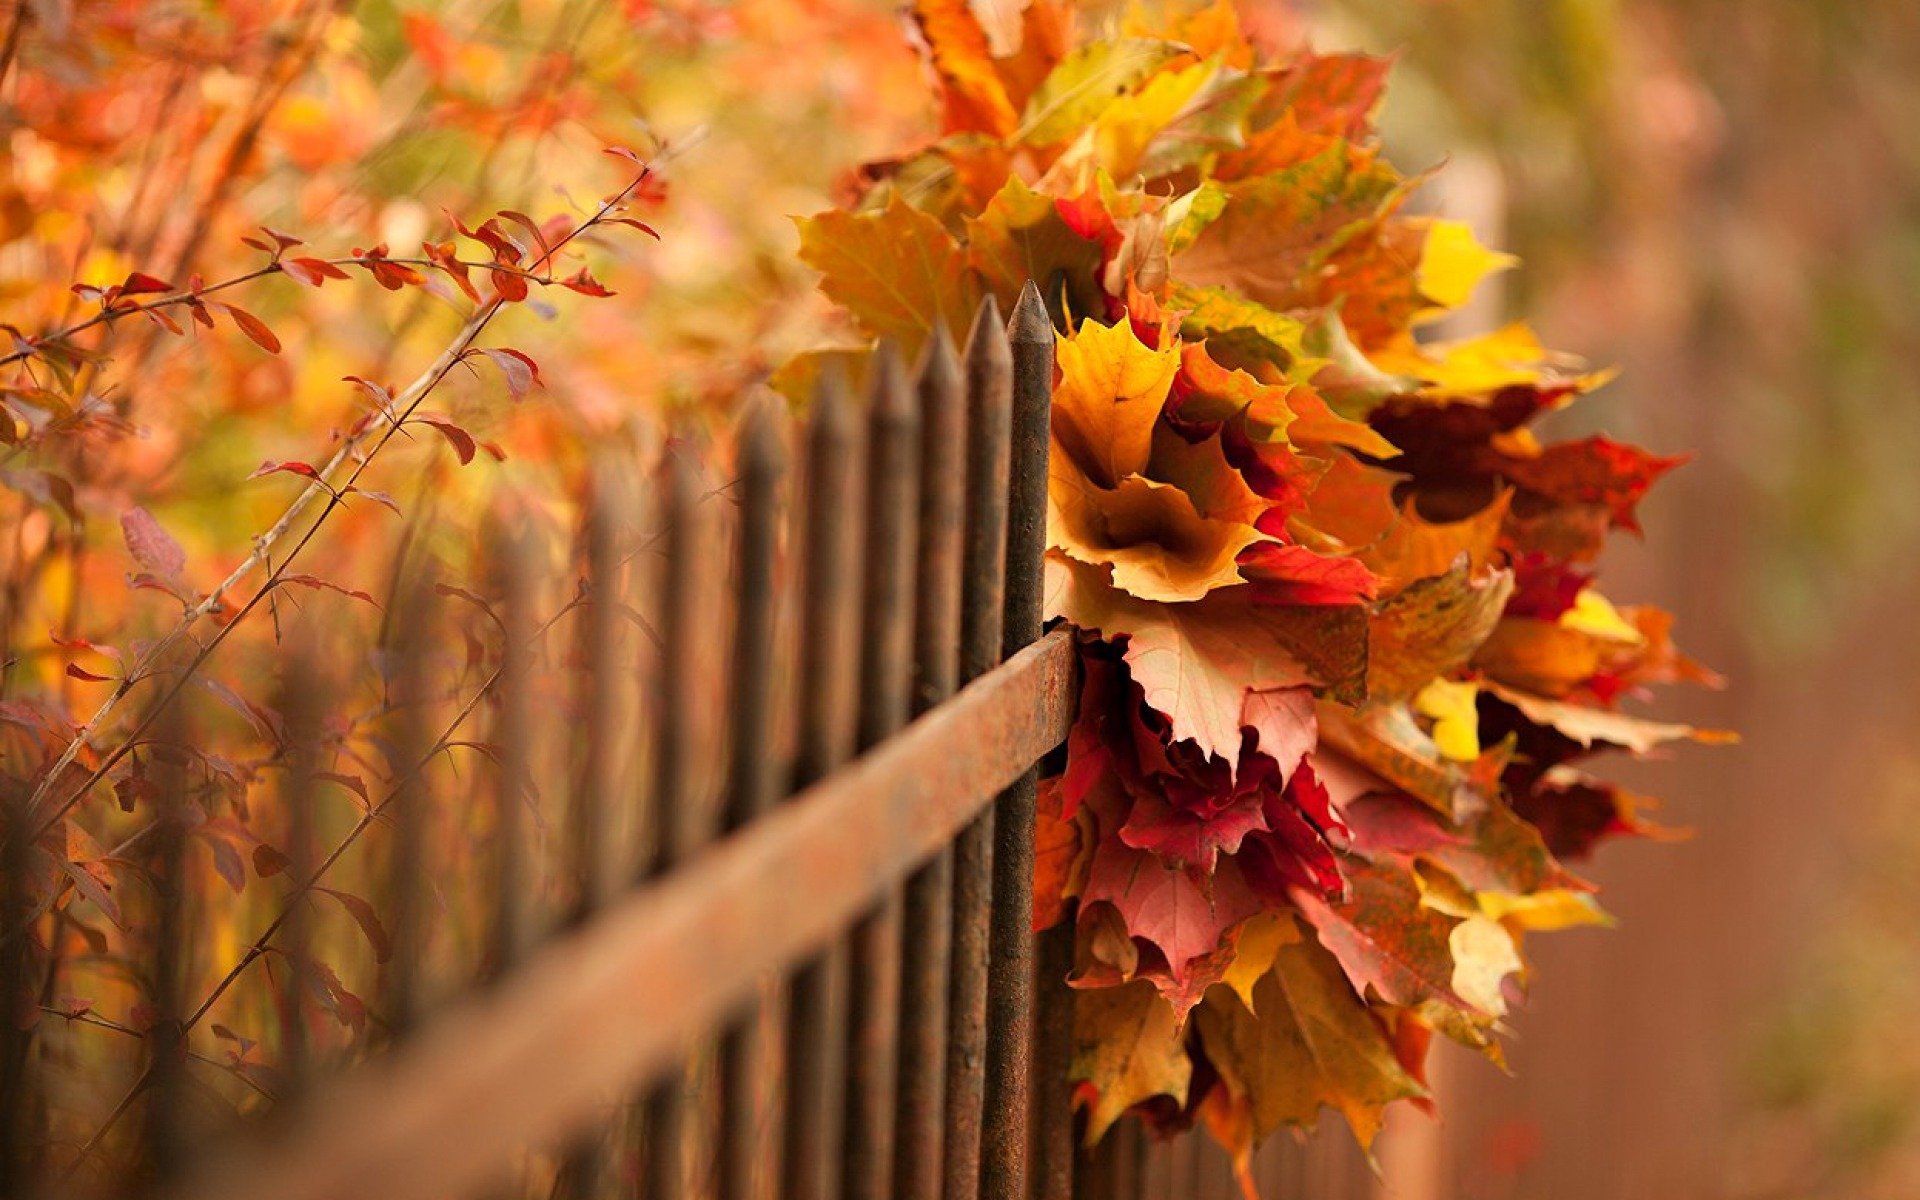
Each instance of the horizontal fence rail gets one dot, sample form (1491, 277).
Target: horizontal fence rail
(619, 1000)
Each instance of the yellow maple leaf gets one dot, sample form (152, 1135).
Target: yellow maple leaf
(1313, 1045)
(1128, 1046)
(897, 270)
(1453, 263)
(1110, 394)
(1456, 718)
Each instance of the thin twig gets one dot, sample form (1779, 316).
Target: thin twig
(175, 299)
(257, 949)
(319, 491)
(100, 1022)
(258, 946)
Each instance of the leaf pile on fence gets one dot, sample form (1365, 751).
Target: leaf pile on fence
(1345, 658)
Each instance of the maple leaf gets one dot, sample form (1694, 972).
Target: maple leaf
(1573, 814)
(1239, 332)
(1169, 516)
(1432, 628)
(1596, 470)
(1127, 1049)
(1197, 661)
(1062, 852)
(1453, 263)
(1175, 120)
(986, 73)
(1078, 90)
(1484, 955)
(1182, 911)
(897, 270)
(1022, 235)
(1278, 229)
(1330, 93)
(1209, 393)
(1589, 726)
(1313, 1045)
(1108, 399)
(1385, 940)
(1478, 369)
(1353, 505)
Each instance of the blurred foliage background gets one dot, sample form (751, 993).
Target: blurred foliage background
(1720, 196)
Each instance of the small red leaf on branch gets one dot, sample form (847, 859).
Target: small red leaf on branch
(521, 372)
(368, 921)
(461, 441)
(141, 284)
(305, 470)
(255, 329)
(151, 546)
(311, 271)
(584, 283)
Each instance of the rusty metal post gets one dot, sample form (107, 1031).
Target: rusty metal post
(828, 696)
(163, 1150)
(678, 825)
(406, 867)
(755, 773)
(509, 932)
(1053, 1150)
(302, 697)
(1005, 1154)
(583, 1170)
(988, 363)
(886, 679)
(927, 923)
(17, 1157)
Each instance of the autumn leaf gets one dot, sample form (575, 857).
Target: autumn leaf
(1195, 662)
(1277, 229)
(1432, 628)
(1182, 911)
(1127, 1049)
(1109, 398)
(1453, 263)
(1175, 120)
(1020, 236)
(1590, 726)
(151, 546)
(976, 98)
(1388, 944)
(1334, 94)
(896, 270)
(1078, 90)
(1313, 1045)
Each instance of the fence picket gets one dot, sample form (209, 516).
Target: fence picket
(755, 777)
(927, 921)
(1005, 1154)
(989, 383)
(827, 710)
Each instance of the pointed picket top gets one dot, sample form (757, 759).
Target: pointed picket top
(1030, 322)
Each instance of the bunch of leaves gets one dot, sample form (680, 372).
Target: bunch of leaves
(1346, 662)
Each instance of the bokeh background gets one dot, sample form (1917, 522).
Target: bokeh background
(1722, 197)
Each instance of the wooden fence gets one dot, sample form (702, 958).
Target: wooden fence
(822, 985)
